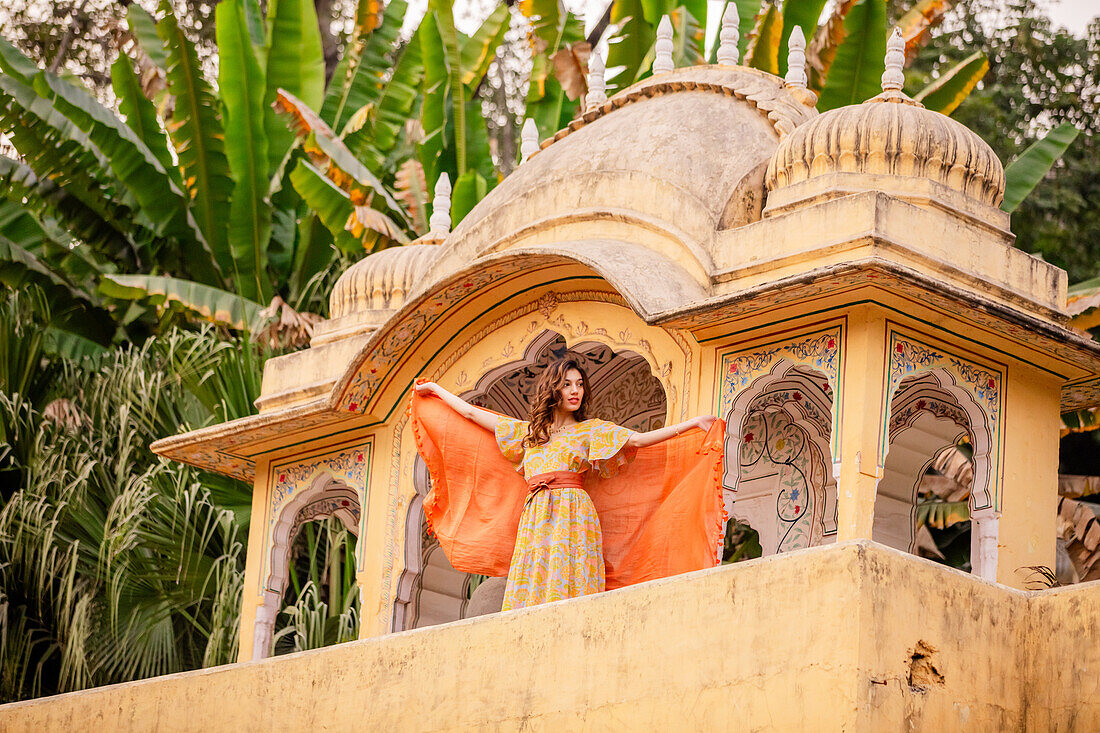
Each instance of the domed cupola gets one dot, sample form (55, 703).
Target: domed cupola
(890, 143)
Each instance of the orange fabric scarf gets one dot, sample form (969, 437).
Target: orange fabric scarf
(660, 515)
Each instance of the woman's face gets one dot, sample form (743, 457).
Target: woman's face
(572, 392)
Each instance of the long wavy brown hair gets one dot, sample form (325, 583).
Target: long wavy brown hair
(548, 396)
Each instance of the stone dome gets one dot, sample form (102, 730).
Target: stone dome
(666, 163)
(380, 281)
(891, 143)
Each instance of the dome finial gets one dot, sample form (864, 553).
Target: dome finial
(662, 59)
(440, 223)
(597, 91)
(893, 79)
(728, 37)
(529, 140)
(796, 59)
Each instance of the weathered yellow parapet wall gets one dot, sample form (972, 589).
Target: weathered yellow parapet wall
(853, 637)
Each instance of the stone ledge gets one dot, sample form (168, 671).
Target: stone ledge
(852, 636)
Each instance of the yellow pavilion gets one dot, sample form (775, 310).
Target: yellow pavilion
(842, 288)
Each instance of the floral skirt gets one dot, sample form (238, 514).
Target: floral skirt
(559, 550)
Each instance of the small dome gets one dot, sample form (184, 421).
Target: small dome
(381, 281)
(888, 136)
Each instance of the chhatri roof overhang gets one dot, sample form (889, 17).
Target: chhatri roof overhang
(622, 196)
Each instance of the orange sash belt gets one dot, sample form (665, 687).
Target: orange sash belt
(553, 480)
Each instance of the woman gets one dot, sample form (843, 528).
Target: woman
(559, 550)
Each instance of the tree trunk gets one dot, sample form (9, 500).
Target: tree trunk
(328, 41)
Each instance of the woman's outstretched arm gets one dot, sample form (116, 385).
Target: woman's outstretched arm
(652, 437)
(484, 418)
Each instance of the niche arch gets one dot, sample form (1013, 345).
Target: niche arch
(624, 390)
(928, 414)
(779, 476)
(325, 497)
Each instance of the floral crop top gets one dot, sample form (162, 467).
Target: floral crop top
(596, 444)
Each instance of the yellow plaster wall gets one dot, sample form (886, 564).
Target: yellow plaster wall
(252, 596)
(818, 639)
(1029, 504)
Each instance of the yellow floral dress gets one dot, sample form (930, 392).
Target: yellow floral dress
(559, 546)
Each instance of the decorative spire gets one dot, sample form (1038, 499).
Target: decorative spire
(440, 223)
(796, 59)
(662, 60)
(728, 36)
(597, 91)
(893, 78)
(528, 139)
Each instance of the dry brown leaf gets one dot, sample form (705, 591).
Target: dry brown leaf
(412, 190)
(286, 327)
(571, 68)
(917, 24)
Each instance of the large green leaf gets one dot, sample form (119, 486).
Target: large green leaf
(358, 80)
(855, 75)
(1024, 174)
(59, 152)
(762, 51)
(295, 63)
(159, 202)
(144, 30)
(479, 50)
(375, 142)
(331, 204)
(547, 103)
(43, 197)
(71, 307)
(343, 168)
(141, 115)
(213, 304)
(15, 64)
(821, 48)
(199, 138)
(241, 82)
(468, 190)
(456, 90)
(627, 48)
(801, 13)
(688, 39)
(947, 92)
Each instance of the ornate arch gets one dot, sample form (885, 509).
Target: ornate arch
(326, 496)
(796, 402)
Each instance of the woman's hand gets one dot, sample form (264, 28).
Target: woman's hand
(703, 422)
(425, 389)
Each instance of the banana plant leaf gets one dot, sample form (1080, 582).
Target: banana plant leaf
(144, 30)
(212, 304)
(455, 89)
(44, 198)
(15, 64)
(295, 63)
(547, 102)
(918, 22)
(468, 190)
(942, 514)
(161, 205)
(71, 307)
(341, 167)
(762, 51)
(1024, 174)
(199, 138)
(375, 141)
(141, 115)
(241, 83)
(805, 15)
(358, 79)
(332, 205)
(855, 75)
(821, 48)
(688, 38)
(479, 50)
(947, 92)
(630, 38)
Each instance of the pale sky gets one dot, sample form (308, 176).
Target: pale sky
(1074, 15)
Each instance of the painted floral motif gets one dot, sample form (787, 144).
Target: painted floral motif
(905, 415)
(908, 357)
(349, 465)
(773, 445)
